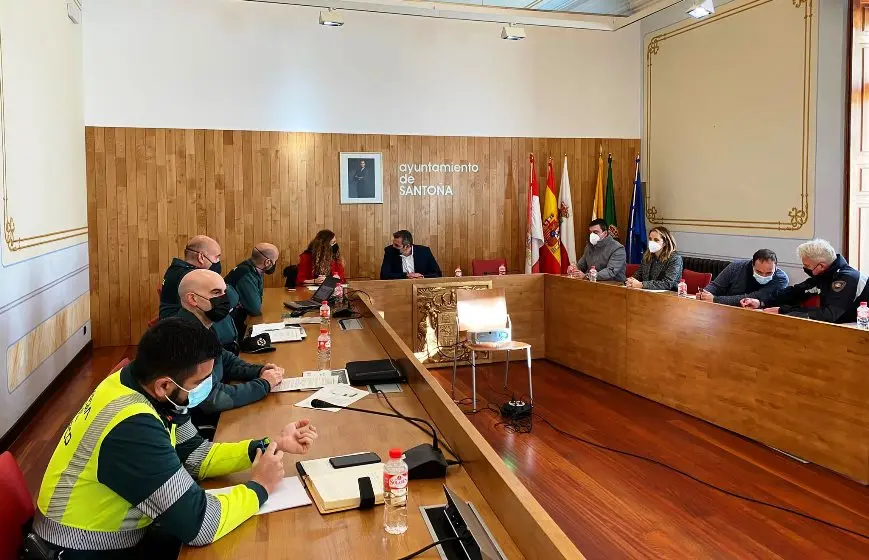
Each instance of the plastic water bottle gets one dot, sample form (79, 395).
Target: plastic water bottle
(863, 316)
(458, 271)
(395, 494)
(324, 350)
(683, 288)
(325, 315)
(339, 289)
(502, 270)
(592, 274)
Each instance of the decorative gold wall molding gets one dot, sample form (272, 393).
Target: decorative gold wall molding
(796, 214)
(28, 353)
(434, 318)
(12, 242)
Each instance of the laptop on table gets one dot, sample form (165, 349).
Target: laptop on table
(323, 293)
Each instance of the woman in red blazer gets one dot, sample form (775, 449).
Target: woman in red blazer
(321, 258)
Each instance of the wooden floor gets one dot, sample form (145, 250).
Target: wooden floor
(610, 505)
(613, 506)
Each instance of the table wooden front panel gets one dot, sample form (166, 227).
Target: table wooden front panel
(797, 385)
(586, 327)
(303, 532)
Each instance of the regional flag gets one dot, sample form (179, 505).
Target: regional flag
(550, 253)
(533, 227)
(636, 243)
(597, 208)
(610, 211)
(565, 216)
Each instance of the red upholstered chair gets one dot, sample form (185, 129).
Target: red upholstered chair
(630, 269)
(696, 280)
(481, 267)
(17, 507)
(812, 301)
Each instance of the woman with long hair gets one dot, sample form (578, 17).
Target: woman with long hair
(661, 268)
(322, 258)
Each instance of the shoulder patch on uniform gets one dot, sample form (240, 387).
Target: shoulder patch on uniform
(838, 285)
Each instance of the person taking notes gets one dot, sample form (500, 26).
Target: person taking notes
(131, 460)
(758, 278)
(841, 287)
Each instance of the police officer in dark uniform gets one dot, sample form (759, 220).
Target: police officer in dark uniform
(247, 279)
(830, 277)
(200, 252)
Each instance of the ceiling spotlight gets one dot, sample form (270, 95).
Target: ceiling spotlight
(512, 33)
(701, 8)
(331, 18)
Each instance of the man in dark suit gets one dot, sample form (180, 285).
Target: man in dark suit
(362, 181)
(403, 259)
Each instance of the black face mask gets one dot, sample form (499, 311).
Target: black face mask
(215, 267)
(271, 269)
(335, 249)
(220, 308)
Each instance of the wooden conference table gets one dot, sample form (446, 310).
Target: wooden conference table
(519, 524)
(797, 385)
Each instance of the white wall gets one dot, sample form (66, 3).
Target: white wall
(224, 64)
(41, 90)
(828, 205)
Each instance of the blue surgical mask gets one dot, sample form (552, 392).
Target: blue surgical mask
(196, 395)
(763, 280)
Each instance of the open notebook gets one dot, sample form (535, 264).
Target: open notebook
(340, 489)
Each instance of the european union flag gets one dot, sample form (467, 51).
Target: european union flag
(636, 242)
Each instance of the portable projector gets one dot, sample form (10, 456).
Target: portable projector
(493, 337)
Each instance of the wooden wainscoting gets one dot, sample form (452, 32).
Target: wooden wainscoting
(150, 190)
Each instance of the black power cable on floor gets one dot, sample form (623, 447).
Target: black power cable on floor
(701, 481)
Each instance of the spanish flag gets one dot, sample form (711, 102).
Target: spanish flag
(597, 208)
(550, 253)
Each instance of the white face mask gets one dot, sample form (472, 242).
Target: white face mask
(594, 238)
(655, 246)
(763, 280)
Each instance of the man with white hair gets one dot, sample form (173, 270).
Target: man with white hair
(830, 277)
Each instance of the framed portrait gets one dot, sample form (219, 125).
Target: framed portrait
(361, 178)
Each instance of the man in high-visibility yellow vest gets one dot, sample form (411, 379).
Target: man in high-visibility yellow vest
(131, 458)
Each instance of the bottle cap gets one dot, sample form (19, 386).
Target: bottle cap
(395, 453)
(862, 304)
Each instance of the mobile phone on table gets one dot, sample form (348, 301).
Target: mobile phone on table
(345, 461)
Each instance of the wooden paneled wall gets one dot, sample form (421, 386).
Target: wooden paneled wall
(150, 190)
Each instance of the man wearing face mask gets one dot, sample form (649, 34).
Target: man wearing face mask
(757, 278)
(200, 252)
(830, 277)
(204, 301)
(604, 253)
(247, 280)
(131, 457)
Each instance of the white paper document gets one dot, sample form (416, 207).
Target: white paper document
(302, 320)
(257, 330)
(341, 395)
(305, 383)
(290, 493)
(340, 373)
(291, 334)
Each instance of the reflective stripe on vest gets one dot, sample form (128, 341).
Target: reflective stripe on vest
(75, 509)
